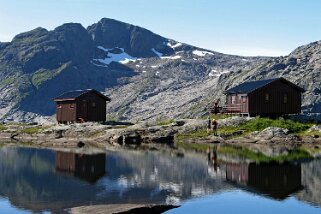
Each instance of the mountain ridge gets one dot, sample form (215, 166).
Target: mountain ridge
(146, 75)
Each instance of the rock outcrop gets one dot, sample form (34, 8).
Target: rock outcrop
(272, 132)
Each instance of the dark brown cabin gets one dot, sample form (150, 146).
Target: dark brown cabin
(81, 106)
(276, 96)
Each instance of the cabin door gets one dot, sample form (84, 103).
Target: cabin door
(59, 113)
(244, 104)
(84, 110)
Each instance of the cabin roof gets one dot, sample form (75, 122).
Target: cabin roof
(248, 87)
(72, 95)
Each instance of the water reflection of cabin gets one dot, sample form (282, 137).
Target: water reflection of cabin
(274, 180)
(276, 96)
(87, 167)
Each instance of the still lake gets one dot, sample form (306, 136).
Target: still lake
(47, 181)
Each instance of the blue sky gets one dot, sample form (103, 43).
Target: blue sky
(243, 27)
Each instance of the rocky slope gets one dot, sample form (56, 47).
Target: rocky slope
(146, 75)
(302, 66)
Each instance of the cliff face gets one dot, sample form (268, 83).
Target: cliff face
(146, 75)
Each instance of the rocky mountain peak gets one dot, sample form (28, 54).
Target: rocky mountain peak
(74, 42)
(30, 35)
(136, 41)
(40, 48)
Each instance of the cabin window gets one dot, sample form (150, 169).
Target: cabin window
(243, 99)
(267, 97)
(93, 104)
(233, 99)
(285, 98)
(72, 106)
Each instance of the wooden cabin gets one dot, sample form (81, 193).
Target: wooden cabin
(270, 97)
(81, 106)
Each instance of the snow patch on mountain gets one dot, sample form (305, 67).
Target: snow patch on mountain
(171, 57)
(160, 55)
(201, 53)
(121, 56)
(173, 46)
(216, 73)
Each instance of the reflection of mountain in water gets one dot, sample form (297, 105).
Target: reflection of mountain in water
(87, 167)
(311, 180)
(275, 180)
(29, 181)
(35, 179)
(32, 178)
(178, 178)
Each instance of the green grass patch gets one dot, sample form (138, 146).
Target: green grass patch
(32, 130)
(164, 122)
(310, 133)
(2, 127)
(258, 124)
(229, 132)
(43, 75)
(7, 81)
(16, 124)
(195, 134)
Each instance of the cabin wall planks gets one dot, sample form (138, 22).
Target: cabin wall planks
(265, 97)
(81, 106)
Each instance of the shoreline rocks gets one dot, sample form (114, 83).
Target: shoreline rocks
(149, 134)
